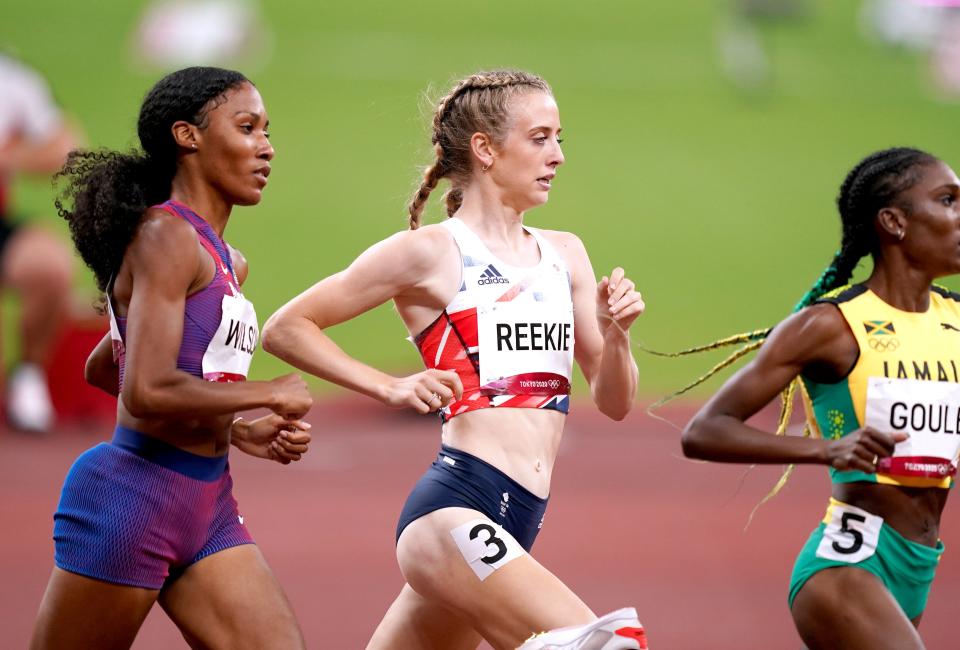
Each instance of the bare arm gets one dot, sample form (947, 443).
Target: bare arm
(603, 314)
(153, 385)
(814, 340)
(100, 370)
(39, 157)
(273, 437)
(295, 332)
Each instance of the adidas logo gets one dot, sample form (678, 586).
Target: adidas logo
(491, 275)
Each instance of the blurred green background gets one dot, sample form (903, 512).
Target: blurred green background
(716, 198)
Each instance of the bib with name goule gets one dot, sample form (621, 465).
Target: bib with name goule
(929, 412)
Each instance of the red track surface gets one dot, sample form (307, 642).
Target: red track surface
(630, 523)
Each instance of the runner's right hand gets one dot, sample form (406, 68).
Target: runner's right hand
(862, 449)
(425, 391)
(291, 397)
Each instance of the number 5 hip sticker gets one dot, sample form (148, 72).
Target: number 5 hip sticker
(851, 534)
(485, 546)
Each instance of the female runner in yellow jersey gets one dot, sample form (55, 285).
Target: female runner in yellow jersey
(878, 368)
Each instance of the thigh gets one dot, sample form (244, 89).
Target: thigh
(80, 612)
(33, 254)
(848, 607)
(415, 623)
(231, 599)
(516, 600)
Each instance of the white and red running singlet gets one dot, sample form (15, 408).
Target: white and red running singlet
(508, 333)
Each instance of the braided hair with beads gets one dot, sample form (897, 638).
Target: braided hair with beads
(479, 103)
(874, 183)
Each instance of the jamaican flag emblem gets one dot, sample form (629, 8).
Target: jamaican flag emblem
(879, 327)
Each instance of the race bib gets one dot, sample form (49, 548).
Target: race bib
(230, 351)
(850, 534)
(525, 349)
(486, 546)
(930, 412)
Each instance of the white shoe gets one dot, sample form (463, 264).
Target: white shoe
(28, 399)
(619, 630)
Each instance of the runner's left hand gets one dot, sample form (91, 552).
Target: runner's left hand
(618, 303)
(272, 437)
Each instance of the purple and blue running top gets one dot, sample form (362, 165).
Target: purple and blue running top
(203, 309)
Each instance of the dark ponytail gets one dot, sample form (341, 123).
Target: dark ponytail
(105, 193)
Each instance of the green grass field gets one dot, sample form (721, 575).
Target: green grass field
(718, 203)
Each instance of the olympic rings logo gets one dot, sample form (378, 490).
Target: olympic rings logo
(878, 344)
(554, 384)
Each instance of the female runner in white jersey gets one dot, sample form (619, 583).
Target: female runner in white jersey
(495, 309)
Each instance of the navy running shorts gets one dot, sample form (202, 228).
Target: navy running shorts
(459, 480)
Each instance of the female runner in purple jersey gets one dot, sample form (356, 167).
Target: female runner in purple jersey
(151, 516)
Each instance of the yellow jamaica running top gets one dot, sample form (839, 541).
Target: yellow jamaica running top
(906, 378)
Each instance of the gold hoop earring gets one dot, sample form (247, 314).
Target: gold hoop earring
(486, 167)
(900, 235)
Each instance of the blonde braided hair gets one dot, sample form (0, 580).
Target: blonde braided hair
(479, 103)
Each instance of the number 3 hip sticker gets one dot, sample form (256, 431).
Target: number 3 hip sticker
(485, 546)
(851, 534)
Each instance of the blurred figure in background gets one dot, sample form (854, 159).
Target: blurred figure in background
(745, 57)
(176, 33)
(929, 26)
(34, 139)
(903, 23)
